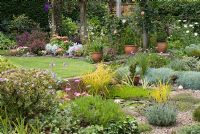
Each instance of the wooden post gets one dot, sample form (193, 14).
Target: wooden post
(118, 8)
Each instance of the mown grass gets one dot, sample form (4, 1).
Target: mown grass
(63, 67)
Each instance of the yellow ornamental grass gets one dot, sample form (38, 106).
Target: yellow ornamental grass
(161, 93)
(99, 80)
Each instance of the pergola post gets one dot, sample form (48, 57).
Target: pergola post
(118, 8)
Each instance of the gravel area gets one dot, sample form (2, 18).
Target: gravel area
(183, 118)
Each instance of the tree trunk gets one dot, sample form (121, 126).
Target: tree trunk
(56, 16)
(83, 23)
(145, 39)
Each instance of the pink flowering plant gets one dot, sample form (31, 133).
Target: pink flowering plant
(28, 92)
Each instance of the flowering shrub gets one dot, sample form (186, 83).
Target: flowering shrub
(51, 49)
(76, 49)
(5, 65)
(99, 80)
(26, 92)
(184, 32)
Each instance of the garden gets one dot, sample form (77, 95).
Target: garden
(100, 67)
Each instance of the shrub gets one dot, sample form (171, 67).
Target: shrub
(109, 54)
(184, 64)
(144, 128)
(159, 75)
(22, 23)
(157, 61)
(99, 80)
(189, 80)
(26, 92)
(69, 27)
(193, 50)
(161, 115)
(194, 129)
(96, 111)
(198, 66)
(196, 114)
(5, 42)
(5, 65)
(127, 126)
(63, 120)
(36, 41)
(37, 46)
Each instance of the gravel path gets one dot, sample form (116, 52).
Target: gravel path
(183, 118)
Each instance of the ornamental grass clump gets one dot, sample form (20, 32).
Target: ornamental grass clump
(26, 92)
(161, 114)
(99, 80)
(161, 93)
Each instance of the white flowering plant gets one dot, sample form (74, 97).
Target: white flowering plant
(185, 33)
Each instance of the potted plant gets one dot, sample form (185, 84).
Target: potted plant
(130, 41)
(161, 41)
(96, 49)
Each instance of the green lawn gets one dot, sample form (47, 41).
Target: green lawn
(63, 67)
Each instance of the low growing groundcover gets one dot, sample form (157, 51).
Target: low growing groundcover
(63, 67)
(127, 92)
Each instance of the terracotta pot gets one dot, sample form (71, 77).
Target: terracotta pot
(129, 49)
(96, 56)
(136, 80)
(161, 47)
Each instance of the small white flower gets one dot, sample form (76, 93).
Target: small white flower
(92, 33)
(117, 101)
(123, 21)
(102, 34)
(187, 31)
(190, 25)
(180, 87)
(179, 20)
(195, 34)
(115, 31)
(196, 23)
(184, 20)
(185, 25)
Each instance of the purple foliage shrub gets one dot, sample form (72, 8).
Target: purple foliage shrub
(36, 41)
